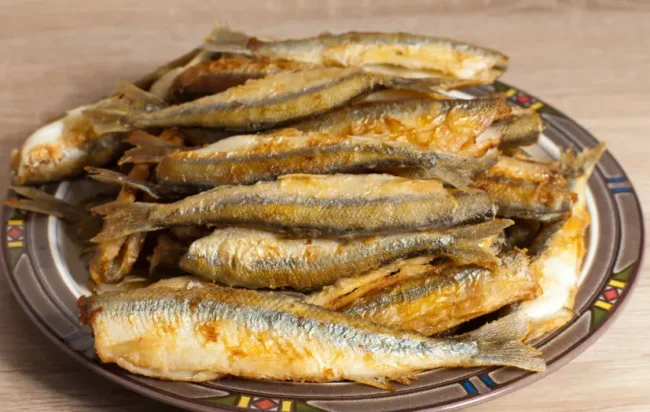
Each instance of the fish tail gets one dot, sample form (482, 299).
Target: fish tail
(224, 40)
(523, 129)
(123, 218)
(148, 148)
(459, 171)
(111, 177)
(38, 201)
(501, 343)
(581, 164)
(116, 117)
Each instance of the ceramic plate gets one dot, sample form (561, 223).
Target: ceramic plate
(47, 277)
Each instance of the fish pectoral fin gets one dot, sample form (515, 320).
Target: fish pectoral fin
(225, 40)
(501, 343)
(404, 379)
(138, 99)
(377, 382)
(111, 177)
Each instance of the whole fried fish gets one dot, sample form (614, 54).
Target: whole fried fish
(559, 249)
(248, 159)
(453, 125)
(527, 189)
(257, 259)
(310, 205)
(419, 55)
(258, 104)
(192, 332)
(215, 76)
(448, 295)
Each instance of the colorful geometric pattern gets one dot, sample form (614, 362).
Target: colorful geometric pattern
(257, 403)
(610, 295)
(525, 100)
(619, 185)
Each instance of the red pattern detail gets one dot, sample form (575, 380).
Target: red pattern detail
(611, 294)
(523, 99)
(15, 232)
(265, 404)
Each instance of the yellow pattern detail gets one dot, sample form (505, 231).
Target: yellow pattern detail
(14, 223)
(511, 92)
(603, 305)
(244, 401)
(15, 243)
(617, 284)
(286, 406)
(536, 105)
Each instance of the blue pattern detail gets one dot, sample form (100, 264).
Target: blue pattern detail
(621, 190)
(469, 387)
(618, 179)
(487, 381)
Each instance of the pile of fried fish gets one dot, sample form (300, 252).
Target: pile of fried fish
(317, 210)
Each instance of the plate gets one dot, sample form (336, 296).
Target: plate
(47, 276)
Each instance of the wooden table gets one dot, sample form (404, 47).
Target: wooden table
(590, 59)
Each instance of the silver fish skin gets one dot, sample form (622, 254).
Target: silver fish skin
(257, 104)
(198, 333)
(248, 159)
(257, 259)
(419, 55)
(311, 205)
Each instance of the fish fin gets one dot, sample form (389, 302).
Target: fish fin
(139, 99)
(111, 177)
(501, 343)
(578, 164)
(124, 218)
(38, 201)
(377, 382)
(482, 230)
(149, 148)
(116, 117)
(105, 121)
(224, 40)
(404, 379)
(459, 171)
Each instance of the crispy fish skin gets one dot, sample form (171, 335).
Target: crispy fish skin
(311, 205)
(115, 258)
(453, 125)
(559, 250)
(258, 104)
(257, 259)
(198, 333)
(215, 76)
(426, 55)
(449, 295)
(248, 159)
(527, 189)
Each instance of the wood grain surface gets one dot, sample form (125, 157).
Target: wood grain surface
(590, 59)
